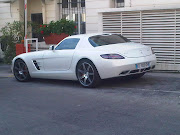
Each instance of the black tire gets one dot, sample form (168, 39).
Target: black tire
(21, 71)
(136, 76)
(87, 74)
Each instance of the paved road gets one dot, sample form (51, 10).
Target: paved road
(147, 106)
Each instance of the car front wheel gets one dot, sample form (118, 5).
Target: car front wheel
(20, 70)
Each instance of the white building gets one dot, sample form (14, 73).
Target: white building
(154, 23)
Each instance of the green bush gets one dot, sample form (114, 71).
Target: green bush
(10, 52)
(12, 33)
(58, 27)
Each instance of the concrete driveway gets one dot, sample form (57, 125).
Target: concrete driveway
(146, 106)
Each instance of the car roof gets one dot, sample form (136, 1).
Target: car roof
(87, 35)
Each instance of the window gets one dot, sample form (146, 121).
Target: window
(68, 44)
(82, 3)
(73, 3)
(119, 3)
(69, 9)
(64, 3)
(65, 16)
(107, 39)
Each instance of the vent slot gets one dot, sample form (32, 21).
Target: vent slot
(125, 72)
(36, 64)
(134, 71)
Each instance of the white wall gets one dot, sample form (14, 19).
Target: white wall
(15, 11)
(8, 13)
(92, 18)
(47, 8)
(50, 11)
(137, 3)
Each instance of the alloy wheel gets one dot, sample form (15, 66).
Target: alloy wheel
(21, 71)
(85, 73)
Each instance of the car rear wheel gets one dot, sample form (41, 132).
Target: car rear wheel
(21, 71)
(87, 74)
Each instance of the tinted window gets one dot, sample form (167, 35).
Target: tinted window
(101, 40)
(68, 44)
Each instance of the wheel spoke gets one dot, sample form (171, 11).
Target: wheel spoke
(19, 64)
(88, 68)
(84, 68)
(89, 80)
(16, 68)
(23, 76)
(23, 67)
(85, 80)
(16, 73)
(91, 73)
(24, 71)
(81, 71)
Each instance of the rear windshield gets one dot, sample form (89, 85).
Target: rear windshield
(101, 40)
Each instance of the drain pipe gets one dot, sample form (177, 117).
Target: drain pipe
(25, 21)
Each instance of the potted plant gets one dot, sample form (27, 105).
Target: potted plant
(54, 32)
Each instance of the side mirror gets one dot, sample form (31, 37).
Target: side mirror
(51, 47)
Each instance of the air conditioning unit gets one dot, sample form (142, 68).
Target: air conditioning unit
(7, 1)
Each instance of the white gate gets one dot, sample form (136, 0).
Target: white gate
(159, 29)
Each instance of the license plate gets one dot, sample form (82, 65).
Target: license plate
(143, 65)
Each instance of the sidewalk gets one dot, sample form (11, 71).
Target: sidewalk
(5, 71)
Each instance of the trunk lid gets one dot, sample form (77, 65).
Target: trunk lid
(129, 50)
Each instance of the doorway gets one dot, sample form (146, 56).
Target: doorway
(37, 20)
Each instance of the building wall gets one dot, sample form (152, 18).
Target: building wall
(15, 11)
(137, 3)
(93, 17)
(47, 9)
(9, 13)
(50, 11)
(35, 6)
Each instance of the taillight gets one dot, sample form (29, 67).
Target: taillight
(112, 56)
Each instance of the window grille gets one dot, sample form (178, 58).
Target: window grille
(73, 3)
(73, 10)
(119, 3)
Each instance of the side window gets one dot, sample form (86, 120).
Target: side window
(68, 44)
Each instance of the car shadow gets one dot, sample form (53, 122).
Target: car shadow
(105, 84)
(56, 82)
(126, 82)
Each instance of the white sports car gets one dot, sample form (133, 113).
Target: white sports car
(86, 58)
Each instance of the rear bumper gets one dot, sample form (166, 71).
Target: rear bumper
(115, 68)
